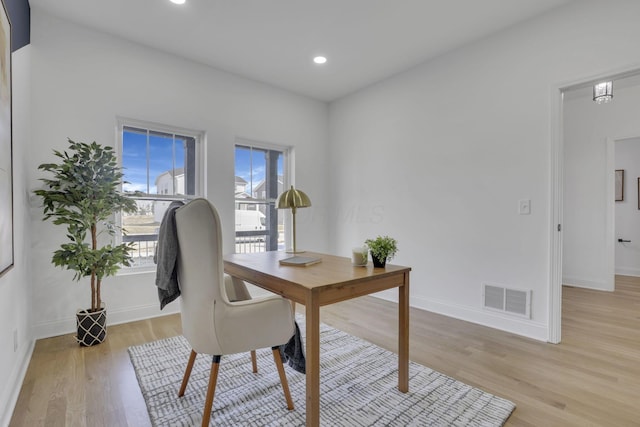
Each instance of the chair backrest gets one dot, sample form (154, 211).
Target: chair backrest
(200, 273)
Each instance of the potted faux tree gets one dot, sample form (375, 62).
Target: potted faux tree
(382, 249)
(83, 195)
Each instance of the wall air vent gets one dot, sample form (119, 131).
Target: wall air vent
(507, 300)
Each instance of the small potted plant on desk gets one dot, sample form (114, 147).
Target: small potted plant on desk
(382, 249)
(83, 196)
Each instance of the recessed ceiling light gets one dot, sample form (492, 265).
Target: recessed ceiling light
(178, 1)
(319, 59)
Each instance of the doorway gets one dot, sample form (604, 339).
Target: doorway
(626, 217)
(583, 186)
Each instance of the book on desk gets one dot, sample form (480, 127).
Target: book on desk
(300, 261)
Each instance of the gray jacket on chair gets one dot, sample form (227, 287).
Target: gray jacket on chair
(166, 257)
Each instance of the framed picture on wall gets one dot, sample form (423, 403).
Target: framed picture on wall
(619, 185)
(6, 162)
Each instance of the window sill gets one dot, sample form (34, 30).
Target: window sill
(131, 271)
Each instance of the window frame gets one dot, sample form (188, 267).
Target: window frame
(200, 171)
(287, 173)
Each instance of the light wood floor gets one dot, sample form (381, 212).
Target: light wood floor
(591, 379)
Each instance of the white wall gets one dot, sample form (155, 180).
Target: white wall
(83, 79)
(440, 155)
(627, 216)
(587, 126)
(15, 285)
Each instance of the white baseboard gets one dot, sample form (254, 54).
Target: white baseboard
(515, 325)
(141, 312)
(585, 283)
(14, 385)
(624, 271)
(114, 317)
(62, 327)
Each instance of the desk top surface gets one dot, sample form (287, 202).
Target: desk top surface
(332, 270)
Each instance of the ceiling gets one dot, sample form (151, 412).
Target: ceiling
(274, 41)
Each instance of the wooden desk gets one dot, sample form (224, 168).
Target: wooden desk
(330, 281)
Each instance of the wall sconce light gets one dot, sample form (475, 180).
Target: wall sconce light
(603, 92)
(293, 199)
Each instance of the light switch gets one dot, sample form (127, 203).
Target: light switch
(524, 207)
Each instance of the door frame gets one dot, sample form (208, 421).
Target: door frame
(556, 197)
(610, 215)
(554, 301)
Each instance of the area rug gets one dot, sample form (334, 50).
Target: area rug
(358, 387)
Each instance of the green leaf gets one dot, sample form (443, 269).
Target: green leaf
(80, 193)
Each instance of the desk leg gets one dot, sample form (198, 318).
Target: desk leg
(403, 335)
(313, 360)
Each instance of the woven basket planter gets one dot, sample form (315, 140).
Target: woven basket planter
(92, 326)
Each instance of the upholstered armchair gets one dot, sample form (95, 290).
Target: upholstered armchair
(212, 323)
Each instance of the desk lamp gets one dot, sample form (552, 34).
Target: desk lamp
(293, 199)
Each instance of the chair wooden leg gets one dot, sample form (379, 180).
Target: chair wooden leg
(211, 391)
(254, 361)
(283, 376)
(187, 373)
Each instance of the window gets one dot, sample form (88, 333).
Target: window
(160, 165)
(260, 178)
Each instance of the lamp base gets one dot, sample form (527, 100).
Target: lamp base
(291, 251)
